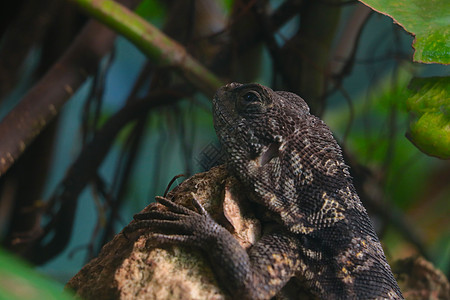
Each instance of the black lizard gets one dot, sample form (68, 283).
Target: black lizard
(289, 163)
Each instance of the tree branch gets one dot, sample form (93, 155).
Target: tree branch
(155, 44)
(63, 203)
(43, 102)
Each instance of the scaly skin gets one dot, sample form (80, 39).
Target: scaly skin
(291, 165)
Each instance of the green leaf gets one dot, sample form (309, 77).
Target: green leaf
(19, 281)
(428, 20)
(430, 109)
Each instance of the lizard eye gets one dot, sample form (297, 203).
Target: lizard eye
(250, 97)
(250, 103)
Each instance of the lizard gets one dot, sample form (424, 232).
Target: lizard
(293, 169)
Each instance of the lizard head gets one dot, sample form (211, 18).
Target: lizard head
(282, 152)
(251, 120)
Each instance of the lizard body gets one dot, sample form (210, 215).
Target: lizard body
(292, 166)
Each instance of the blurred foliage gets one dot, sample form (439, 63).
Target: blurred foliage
(429, 103)
(427, 20)
(152, 10)
(19, 281)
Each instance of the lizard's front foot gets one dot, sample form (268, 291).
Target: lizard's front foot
(177, 225)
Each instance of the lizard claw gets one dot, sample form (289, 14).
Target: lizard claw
(172, 206)
(177, 224)
(198, 206)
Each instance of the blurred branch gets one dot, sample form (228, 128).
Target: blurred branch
(28, 28)
(64, 202)
(62, 206)
(155, 44)
(43, 102)
(343, 55)
(127, 158)
(268, 33)
(309, 51)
